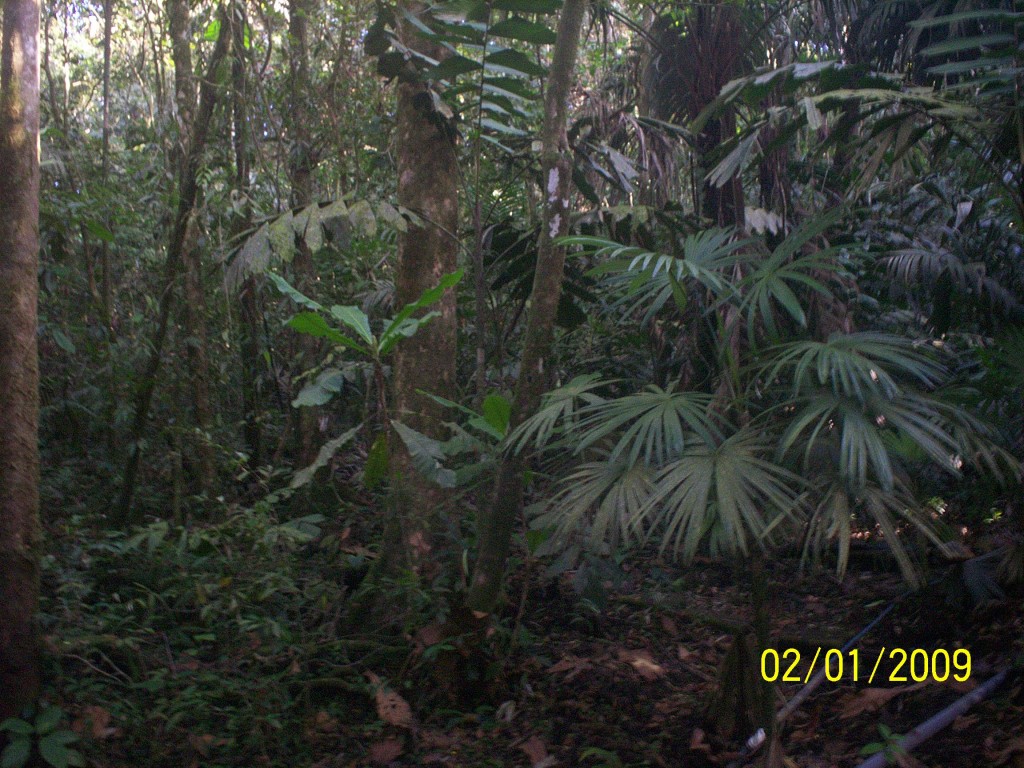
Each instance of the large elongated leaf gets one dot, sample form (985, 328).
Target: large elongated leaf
(511, 60)
(427, 455)
(518, 28)
(326, 453)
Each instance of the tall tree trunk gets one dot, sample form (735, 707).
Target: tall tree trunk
(249, 349)
(301, 172)
(188, 190)
(19, 364)
(427, 185)
(194, 306)
(495, 528)
(105, 278)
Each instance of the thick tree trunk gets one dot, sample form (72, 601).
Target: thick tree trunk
(495, 529)
(427, 185)
(19, 365)
(188, 190)
(301, 173)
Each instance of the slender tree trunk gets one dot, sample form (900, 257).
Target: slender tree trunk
(495, 528)
(194, 307)
(301, 173)
(19, 364)
(427, 185)
(106, 301)
(188, 190)
(249, 349)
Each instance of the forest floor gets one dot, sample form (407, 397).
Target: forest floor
(171, 660)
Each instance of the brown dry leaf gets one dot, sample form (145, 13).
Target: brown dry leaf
(1012, 748)
(537, 753)
(642, 661)
(698, 741)
(964, 722)
(97, 720)
(871, 699)
(571, 665)
(683, 652)
(383, 752)
(202, 744)
(393, 709)
(669, 626)
(432, 634)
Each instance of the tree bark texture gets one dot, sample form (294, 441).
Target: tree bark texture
(495, 529)
(19, 365)
(300, 171)
(194, 311)
(188, 190)
(427, 185)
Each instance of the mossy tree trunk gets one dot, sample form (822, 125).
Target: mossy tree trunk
(19, 362)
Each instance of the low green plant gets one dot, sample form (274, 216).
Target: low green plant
(891, 744)
(39, 735)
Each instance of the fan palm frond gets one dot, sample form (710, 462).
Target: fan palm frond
(648, 279)
(854, 365)
(831, 520)
(728, 494)
(651, 426)
(606, 499)
(558, 413)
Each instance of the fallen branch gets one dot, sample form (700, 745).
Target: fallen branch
(937, 722)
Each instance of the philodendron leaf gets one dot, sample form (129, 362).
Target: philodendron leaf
(426, 454)
(326, 453)
(497, 412)
(355, 319)
(430, 296)
(312, 324)
(376, 462)
(320, 392)
(299, 298)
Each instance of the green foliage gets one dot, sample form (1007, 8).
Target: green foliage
(39, 735)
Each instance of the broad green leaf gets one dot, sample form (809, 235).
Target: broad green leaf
(355, 319)
(516, 61)
(497, 410)
(299, 298)
(303, 476)
(990, 14)
(328, 383)
(429, 297)
(56, 753)
(313, 324)
(452, 67)
(500, 127)
(17, 726)
(212, 31)
(426, 454)
(98, 230)
(16, 753)
(63, 341)
(518, 28)
(306, 224)
(387, 213)
(404, 330)
(958, 44)
(376, 462)
(528, 6)
(47, 720)
(360, 213)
